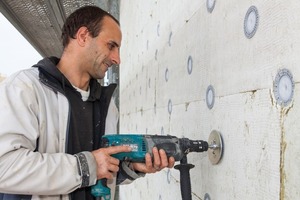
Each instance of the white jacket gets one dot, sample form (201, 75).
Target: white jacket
(27, 116)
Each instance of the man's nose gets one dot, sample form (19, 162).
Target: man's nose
(115, 57)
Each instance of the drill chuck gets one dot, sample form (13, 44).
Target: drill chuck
(188, 145)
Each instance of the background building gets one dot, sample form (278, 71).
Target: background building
(1, 77)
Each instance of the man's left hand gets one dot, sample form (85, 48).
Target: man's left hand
(160, 161)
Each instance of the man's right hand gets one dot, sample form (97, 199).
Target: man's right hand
(106, 164)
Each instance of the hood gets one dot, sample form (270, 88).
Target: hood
(50, 75)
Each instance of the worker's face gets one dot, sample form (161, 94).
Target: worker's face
(104, 50)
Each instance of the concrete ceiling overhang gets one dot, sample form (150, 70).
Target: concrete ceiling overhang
(40, 21)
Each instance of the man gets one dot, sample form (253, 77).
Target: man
(54, 114)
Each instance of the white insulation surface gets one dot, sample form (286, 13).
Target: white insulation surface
(159, 96)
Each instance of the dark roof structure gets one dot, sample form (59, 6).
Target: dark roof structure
(40, 21)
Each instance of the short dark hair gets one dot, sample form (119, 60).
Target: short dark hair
(88, 16)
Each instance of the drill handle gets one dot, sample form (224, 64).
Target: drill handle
(101, 190)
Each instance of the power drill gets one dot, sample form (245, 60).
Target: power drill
(142, 144)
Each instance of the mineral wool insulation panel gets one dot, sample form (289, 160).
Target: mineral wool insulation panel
(161, 94)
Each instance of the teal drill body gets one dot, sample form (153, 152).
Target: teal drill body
(142, 144)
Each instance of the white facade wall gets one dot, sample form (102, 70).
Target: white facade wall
(158, 95)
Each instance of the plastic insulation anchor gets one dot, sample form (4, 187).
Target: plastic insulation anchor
(185, 180)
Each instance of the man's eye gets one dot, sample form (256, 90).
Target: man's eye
(111, 46)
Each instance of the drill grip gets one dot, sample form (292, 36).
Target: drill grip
(185, 185)
(101, 190)
(185, 180)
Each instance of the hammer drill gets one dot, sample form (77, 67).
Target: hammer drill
(142, 144)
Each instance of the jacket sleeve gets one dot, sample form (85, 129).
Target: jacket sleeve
(23, 170)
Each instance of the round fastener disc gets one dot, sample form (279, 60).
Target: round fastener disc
(167, 75)
(206, 196)
(162, 132)
(251, 22)
(190, 65)
(215, 147)
(169, 176)
(147, 46)
(170, 106)
(210, 5)
(210, 97)
(284, 87)
(170, 36)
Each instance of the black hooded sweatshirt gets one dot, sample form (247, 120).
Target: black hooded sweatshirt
(87, 118)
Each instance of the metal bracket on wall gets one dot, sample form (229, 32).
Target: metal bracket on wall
(215, 145)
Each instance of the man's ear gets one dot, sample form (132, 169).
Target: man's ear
(82, 36)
